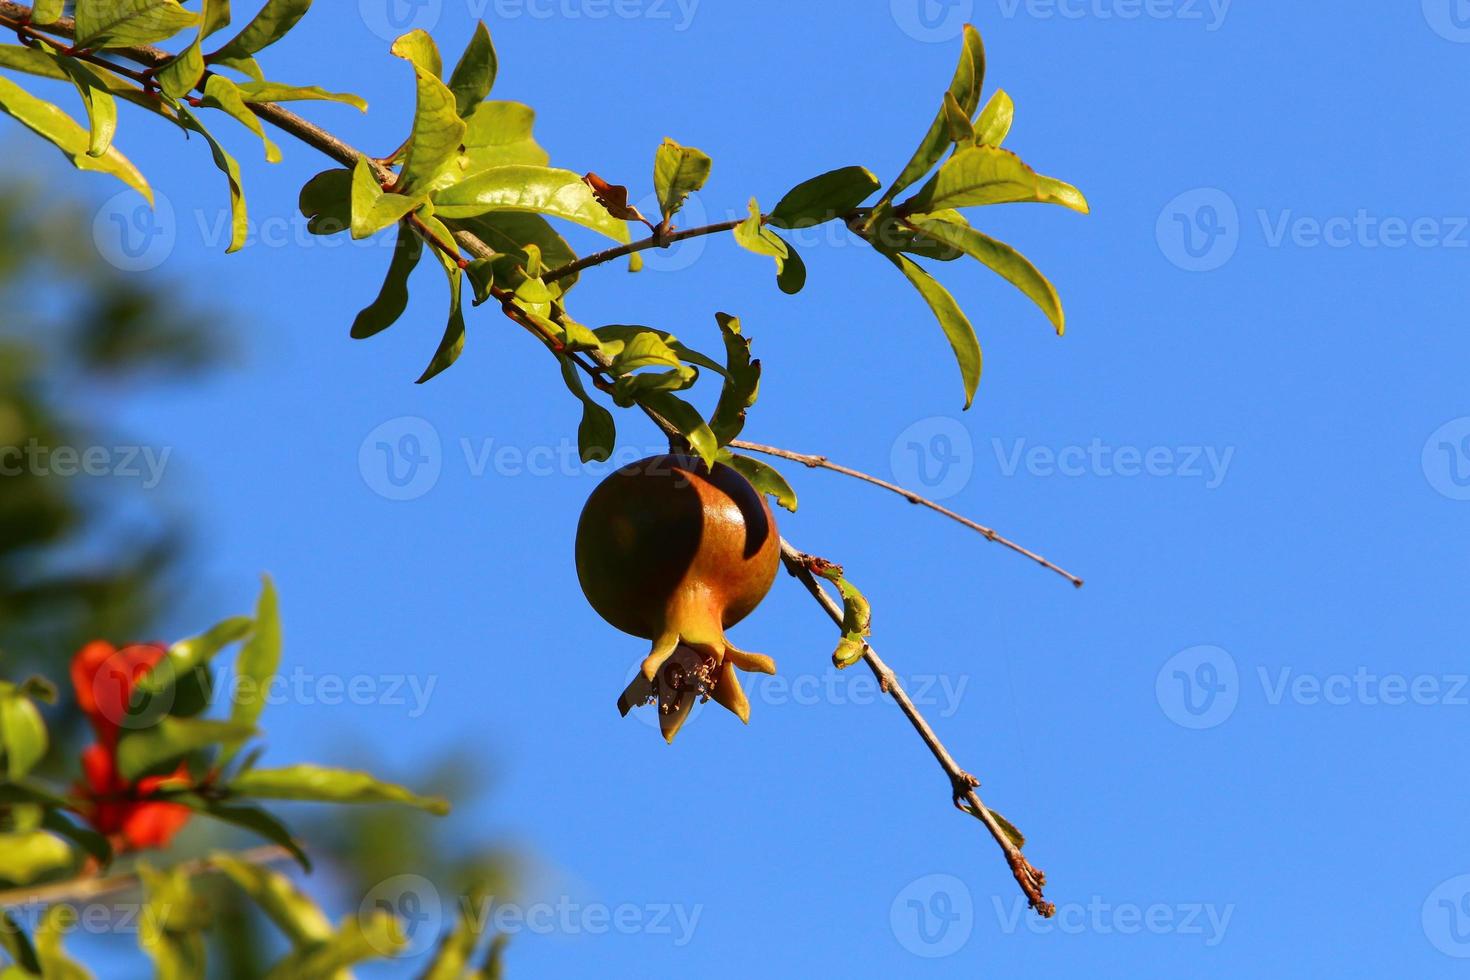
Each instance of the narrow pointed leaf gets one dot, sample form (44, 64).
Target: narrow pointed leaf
(68, 136)
(961, 129)
(969, 76)
(742, 382)
(289, 909)
(982, 175)
(438, 130)
(258, 660)
(97, 99)
(452, 344)
(239, 217)
(276, 92)
(161, 746)
(538, 190)
(370, 936)
(273, 22)
(763, 477)
(687, 420)
(474, 75)
(994, 124)
(221, 93)
(253, 819)
(957, 328)
(1010, 264)
(323, 785)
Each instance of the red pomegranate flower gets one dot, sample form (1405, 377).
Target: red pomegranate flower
(126, 812)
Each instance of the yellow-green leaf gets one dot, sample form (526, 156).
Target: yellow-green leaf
(994, 124)
(538, 190)
(372, 208)
(474, 75)
(969, 76)
(678, 171)
(956, 326)
(221, 93)
(1010, 264)
(438, 130)
(982, 175)
(825, 197)
(392, 298)
(122, 23)
(755, 237)
(68, 136)
(324, 785)
(239, 218)
(273, 22)
(276, 92)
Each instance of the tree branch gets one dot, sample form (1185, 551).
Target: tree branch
(654, 241)
(963, 784)
(822, 462)
(87, 889)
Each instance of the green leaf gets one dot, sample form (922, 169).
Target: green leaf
(474, 76)
(323, 785)
(969, 77)
(93, 844)
(512, 233)
(47, 11)
(251, 818)
(452, 343)
(179, 77)
(857, 616)
(360, 937)
(887, 232)
(952, 319)
(957, 121)
(643, 349)
(437, 129)
(326, 202)
(29, 855)
(597, 431)
(45, 63)
(392, 299)
(678, 171)
(418, 47)
(196, 651)
(742, 382)
(1010, 264)
(23, 736)
(257, 661)
(276, 92)
(17, 944)
(273, 22)
(497, 134)
(123, 23)
(823, 198)
(246, 66)
(755, 237)
(161, 746)
(615, 336)
(372, 208)
(59, 921)
(290, 909)
(983, 175)
(171, 927)
(68, 136)
(994, 124)
(239, 218)
(96, 98)
(536, 190)
(763, 477)
(686, 418)
(221, 93)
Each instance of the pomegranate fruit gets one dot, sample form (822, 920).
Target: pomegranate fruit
(673, 551)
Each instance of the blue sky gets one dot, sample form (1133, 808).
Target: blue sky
(1238, 745)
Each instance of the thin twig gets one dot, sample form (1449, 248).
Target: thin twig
(1030, 878)
(656, 240)
(87, 889)
(822, 462)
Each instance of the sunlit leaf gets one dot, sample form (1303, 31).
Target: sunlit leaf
(370, 936)
(290, 909)
(678, 171)
(239, 218)
(23, 738)
(28, 855)
(994, 124)
(48, 64)
(763, 477)
(258, 660)
(824, 198)
(93, 844)
(171, 926)
(122, 23)
(162, 745)
(686, 418)
(221, 93)
(418, 47)
(742, 382)
(474, 75)
(957, 122)
(276, 92)
(1010, 264)
(273, 22)
(755, 237)
(615, 336)
(324, 785)
(984, 175)
(437, 128)
(538, 190)
(68, 136)
(969, 77)
(956, 326)
(185, 655)
(372, 208)
(452, 343)
(179, 77)
(96, 98)
(47, 11)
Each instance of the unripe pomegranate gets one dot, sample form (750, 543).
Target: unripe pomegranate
(675, 552)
